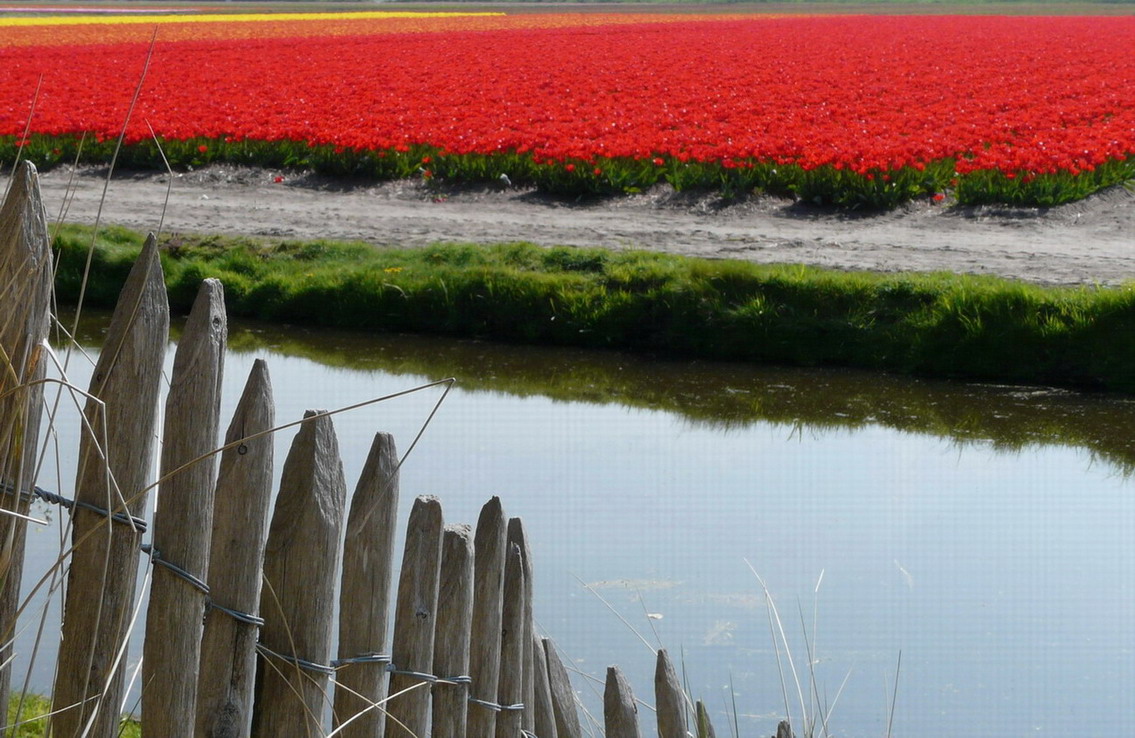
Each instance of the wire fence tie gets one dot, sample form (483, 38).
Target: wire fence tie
(156, 557)
(56, 499)
(495, 707)
(237, 615)
(363, 658)
(296, 660)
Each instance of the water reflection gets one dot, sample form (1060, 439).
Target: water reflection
(1002, 577)
(723, 395)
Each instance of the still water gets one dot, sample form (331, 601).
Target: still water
(983, 533)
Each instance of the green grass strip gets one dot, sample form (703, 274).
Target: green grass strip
(942, 325)
(28, 714)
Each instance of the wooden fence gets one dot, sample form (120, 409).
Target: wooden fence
(239, 627)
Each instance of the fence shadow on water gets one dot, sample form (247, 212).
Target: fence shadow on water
(239, 625)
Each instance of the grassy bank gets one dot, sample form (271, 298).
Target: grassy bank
(942, 325)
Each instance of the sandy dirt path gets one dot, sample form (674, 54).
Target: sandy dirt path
(1090, 242)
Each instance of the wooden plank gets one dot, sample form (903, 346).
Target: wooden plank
(488, 583)
(510, 690)
(25, 293)
(620, 714)
(543, 712)
(669, 699)
(297, 600)
(104, 565)
(454, 619)
(528, 692)
(364, 594)
(183, 519)
(240, 522)
(563, 697)
(415, 619)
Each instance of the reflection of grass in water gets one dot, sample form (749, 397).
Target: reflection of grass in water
(728, 395)
(724, 394)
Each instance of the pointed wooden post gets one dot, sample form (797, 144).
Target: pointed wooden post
(528, 691)
(454, 620)
(183, 520)
(488, 582)
(542, 709)
(670, 700)
(25, 294)
(364, 594)
(240, 521)
(297, 600)
(415, 619)
(510, 690)
(705, 727)
(563, 698)
(115, 453)
(620, 714)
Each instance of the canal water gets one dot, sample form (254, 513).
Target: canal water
(972, 544)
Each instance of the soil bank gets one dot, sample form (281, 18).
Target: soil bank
(1083, 243)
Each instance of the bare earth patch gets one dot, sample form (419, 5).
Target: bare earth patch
(1089, 242)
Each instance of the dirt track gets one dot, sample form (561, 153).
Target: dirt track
(1090, 242)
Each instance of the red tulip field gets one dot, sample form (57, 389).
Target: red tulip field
(852, 110)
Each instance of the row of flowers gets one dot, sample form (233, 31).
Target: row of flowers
(1024, 109)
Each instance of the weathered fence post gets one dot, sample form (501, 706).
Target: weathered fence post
(454, 619)
(705, 727)
(544, 713)
(488, 582)
(183, 520)
(115, 452)
(620, 714)
(784, 729)
(415, 617)
(669, 699)
(297, 600)
(240, 520)
(25, 292)
(528, 690)
(364, 594)
(510, 690)
(563, 698)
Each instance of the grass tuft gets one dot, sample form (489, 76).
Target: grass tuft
(28, 717)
